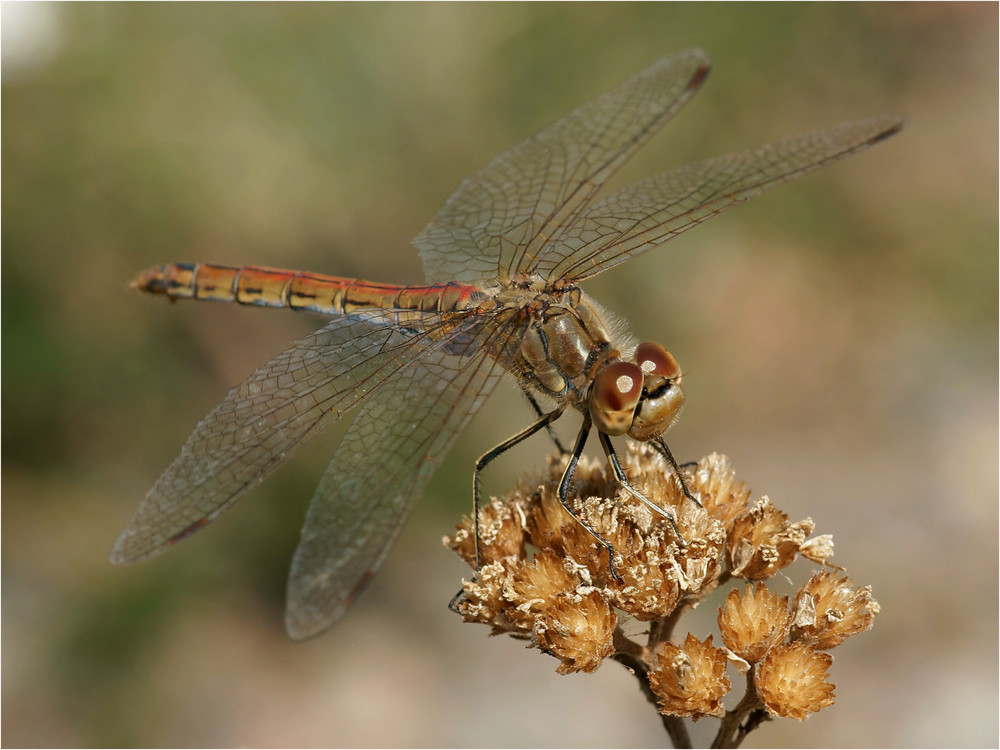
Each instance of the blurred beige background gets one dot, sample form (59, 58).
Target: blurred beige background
(839, 339)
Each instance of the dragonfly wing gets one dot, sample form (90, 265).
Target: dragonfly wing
(265, 419)
(501, 220)
(659, 208)
(381, 466)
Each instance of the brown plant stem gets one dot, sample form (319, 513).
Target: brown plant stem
(661, 630)
(734, 729)
(631, 655)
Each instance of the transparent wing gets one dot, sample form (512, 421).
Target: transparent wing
(382, 465)
(265, 419)
(656, 209)
(497, 222)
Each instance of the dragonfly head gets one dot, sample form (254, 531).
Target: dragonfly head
(642, 398)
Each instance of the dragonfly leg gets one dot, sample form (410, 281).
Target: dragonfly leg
(453, 604)
(544, 420)
(548, 427)
(664, 451)
(619, 472)
(567, 477)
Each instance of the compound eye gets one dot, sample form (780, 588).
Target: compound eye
(654, 359)
(614, 397)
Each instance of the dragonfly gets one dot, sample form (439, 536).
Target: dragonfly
(503, 260)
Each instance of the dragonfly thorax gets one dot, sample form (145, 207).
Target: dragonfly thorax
(565, 343)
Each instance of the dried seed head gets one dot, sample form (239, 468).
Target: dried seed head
(501, 533)
(546, 579)
(701, 561)
(690, 680)
(828, 610)
(483, 599)
(714, 481)
(534, 585)
(791, 681)
(753, 623)
(579, 631)
(566, 618)
(763, 541)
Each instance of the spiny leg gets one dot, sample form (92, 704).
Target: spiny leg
(661, 446)
(567, 477)
(548, 427)
(619, 472)
(545, 420)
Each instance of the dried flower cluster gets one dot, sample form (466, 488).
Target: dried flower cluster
(546, 579)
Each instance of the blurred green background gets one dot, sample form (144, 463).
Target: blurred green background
(838, 336)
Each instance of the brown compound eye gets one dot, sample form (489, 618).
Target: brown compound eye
(654, 359)
(662, 396)
(614, 397)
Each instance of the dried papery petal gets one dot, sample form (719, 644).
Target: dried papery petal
(463, 541)
(647, 592)
(819, 549)
(830, 610)
(763, 541)
(641, 537)
(754, 622)
(547, 519)
(593, 477)
(791, 681)
(690, 680)
(501, 529)
(657, 481)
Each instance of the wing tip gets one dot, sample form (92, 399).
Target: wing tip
(301, 627)
(695, 58)
(700, 75)
(120, 554)
(694, 54)
(892, 125)
(305, 617)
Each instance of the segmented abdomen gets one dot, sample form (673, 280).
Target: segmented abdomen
(297, 290)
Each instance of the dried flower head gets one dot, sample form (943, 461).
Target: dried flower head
(828, 610)
(763, 541)
(791, 681)
(720, 492)
(690, 680)
(501, 533)
(546, 578)
(754, 622)
(482, 598)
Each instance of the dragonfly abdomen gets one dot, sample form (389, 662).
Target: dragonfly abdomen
(297, 290)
